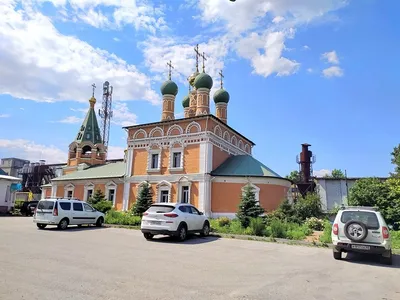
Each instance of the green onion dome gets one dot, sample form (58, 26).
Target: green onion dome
(169, 88)
(203, 80)
(221, 96)
(186, 101)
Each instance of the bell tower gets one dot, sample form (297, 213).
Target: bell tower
(88, 146)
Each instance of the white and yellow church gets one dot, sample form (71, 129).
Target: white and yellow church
(198, 159)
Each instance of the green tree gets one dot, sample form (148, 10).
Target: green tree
(143, 201)
(391, 204)
(248, 207)
(97, 197)
(294, 176)
(396, 160)
(99, 202)
(307, 207)
(336, 173)
(368, 192)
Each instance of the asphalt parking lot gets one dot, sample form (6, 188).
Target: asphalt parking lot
(109, 263)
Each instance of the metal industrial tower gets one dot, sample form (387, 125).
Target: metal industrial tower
(106, 113)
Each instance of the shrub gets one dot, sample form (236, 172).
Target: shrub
(122, 218)
(326, 235)
(257, 227)
(224, 221)
(248, 207)
(307, 207)
(103, 206)
(97, 197)
(315, 223)
(143, 201)
(278, 229)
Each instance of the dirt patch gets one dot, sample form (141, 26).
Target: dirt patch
(314, 237)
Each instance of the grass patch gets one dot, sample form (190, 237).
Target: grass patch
(326, 237)
(395, 239)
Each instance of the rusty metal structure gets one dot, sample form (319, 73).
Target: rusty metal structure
(34, 175)
(306, 159)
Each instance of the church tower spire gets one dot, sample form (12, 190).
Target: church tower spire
(169, 90)
(203, 84)
(221, 99)
(88, 145)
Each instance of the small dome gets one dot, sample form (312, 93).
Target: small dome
(92, 100)
(221, 96)
(186, 101)
(169, 88)
(203, 80)
(192, 78)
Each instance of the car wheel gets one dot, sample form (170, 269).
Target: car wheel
(355, 231)
(206, 229)
(148, 236)
(337, 255)
(63, 224)
(41, 226)
(387, 260)
(182, 233)
(100, 222)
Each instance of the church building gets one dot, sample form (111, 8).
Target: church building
(197, 159)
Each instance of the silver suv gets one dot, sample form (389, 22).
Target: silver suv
(361, 229)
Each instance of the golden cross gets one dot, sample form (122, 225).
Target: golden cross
(169, 64)
(222, 78)
(94, 87)
(196, 49)
(204, 59)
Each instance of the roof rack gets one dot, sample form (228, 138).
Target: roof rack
(62, 198)
(360, 208)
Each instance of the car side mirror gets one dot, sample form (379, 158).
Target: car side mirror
(201, 213)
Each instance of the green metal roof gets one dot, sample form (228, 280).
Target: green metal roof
(46, 185)
(89, 130)
(112, 170)
(243, 165)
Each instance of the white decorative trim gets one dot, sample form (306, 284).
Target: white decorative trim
(171, 160)
(156, 178)
(155, 129)
(111, 185)
(125, 197)
(228, 215)
(256, 190)
(163, 186)
(68, 188)
(193, 124)
(184, 181)
(218, 131)
(227, 137)
(88, 186)
(247, 148)
(234, 140)
(149, 160)
(253, 180)
(138, 132)
(53, 190)
(173, 127)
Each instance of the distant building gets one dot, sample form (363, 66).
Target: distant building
(334, 192)
(12, 166)
(8, 187)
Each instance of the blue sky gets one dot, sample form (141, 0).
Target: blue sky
(321, 72)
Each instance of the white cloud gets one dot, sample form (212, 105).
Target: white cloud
(322, 173)
(333, 71)
(278, 19)
(116, 39)
(141, 14)
(306, 47)
(115, 152)
(310, 70)
(34, 152)
(4, 116)
(39, 63)
(270, 60)
(122, 116)
(330, 57)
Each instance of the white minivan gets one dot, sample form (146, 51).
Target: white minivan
(63, 212)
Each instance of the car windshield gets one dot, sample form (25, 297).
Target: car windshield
(45, 205)
(368, 218)
(160, 209)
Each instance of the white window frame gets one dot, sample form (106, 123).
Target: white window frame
(256, 191)
(181, 183)
(111, 186)
(149, 160)
(69, 188)
(171, 158)
(88, 186)
(163, 186)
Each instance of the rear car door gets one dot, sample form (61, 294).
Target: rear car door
(44, 210)
(78, 214)
(197, 218)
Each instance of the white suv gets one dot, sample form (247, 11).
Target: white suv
(174, 219)
(361, 229)
(63, 212)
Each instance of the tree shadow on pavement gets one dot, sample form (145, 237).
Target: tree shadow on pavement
(369, 259)
(191, 240)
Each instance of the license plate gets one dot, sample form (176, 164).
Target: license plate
(360, 247)
(155, 222)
